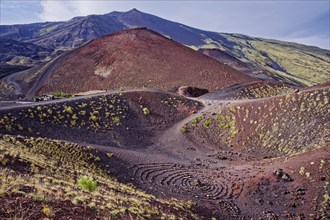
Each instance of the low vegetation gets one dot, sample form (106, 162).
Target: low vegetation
(50, 170)
(102, 113)
(146, 111)
(297, 124)
(62, 95)
(289, 62)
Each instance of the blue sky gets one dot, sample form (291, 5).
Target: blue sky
(305, 21)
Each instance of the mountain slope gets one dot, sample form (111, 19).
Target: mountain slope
(137, 58)
(63, 35)
(235, 63)
(290, 62)
(286, 124)
(302, 64)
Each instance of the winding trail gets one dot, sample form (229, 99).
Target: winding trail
(44, 74)
(175, 166)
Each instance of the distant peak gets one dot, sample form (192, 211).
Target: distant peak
(134, 10)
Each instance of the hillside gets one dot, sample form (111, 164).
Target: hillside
(14, 52)
(285, 123)
(109, 120)
(262, 154)
(305, 65)
(136, 58)
(16, 56)
(248, 69)
(102, 118)
(290, 62)
(46, 185)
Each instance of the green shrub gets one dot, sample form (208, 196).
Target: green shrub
(48, 212)
(194, 122)
(83, 105)
(62, 95)
(146, 111)
(116, 120)
(93, 118)
(68, 109)
(184, 128)
(87, 184)
(208, 122)
(97, 159)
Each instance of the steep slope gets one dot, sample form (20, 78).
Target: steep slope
(289, 62)
(282, 125)
(63, 35)
(7, 69)
(16, 56)
(11, 49)
(304, 65)
(137, 58)
(235, 63)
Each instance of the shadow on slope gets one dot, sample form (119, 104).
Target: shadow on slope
(126, 120)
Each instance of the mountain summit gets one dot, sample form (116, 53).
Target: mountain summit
(288, 62)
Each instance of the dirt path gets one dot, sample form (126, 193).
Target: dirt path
(16, 104)
(170, 138)
(44, 74)
(177, 167)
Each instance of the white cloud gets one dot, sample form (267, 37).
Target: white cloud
(65, 10)
(58, 10)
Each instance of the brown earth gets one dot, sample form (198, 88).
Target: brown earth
(282, 125)
(20, 207)
(136, 58)
(265, 158)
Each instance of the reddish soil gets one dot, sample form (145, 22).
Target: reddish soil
(20, 207)
(252, 176)
(269, 127)
(137, 58)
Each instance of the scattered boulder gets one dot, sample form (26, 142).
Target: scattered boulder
(281, 175)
